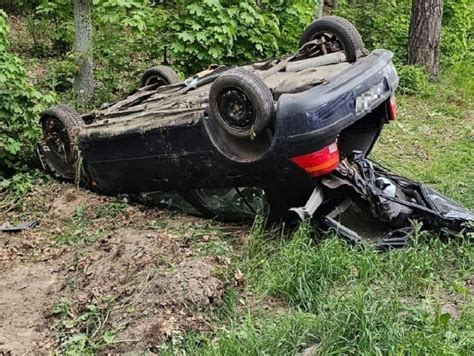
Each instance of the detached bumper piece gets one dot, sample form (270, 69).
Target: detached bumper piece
(391, 201)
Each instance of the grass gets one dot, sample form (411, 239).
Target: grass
(363, 300)
(266, 335)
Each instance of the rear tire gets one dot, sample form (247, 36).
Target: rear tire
(241, 103)
(58, 147)
(159, 75)
(345, 33)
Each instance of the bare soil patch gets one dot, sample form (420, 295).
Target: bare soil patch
(24, 293)
(149, 283)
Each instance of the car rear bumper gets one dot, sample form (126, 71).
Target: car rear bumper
(318, 115)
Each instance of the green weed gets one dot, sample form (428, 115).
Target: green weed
(13, 189)
(75, 230)
(82, 332)
(111, 209)
(215, 247)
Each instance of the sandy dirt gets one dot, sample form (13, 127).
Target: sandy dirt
(24, 293)
(159, 285)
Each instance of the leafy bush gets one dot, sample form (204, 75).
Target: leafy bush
(128, 39)
(413, 80)
(457, 37)
(20, 105)
(214, 31)
(294, 16)
(207, 32)
(58, 14)
(49, 24)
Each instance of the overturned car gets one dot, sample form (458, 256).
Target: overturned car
(292, 133)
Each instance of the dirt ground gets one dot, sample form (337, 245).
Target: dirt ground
(136, 270)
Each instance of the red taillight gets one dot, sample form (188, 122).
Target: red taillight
(320, 162)
(392, 108)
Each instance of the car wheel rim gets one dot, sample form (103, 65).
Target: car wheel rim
(327, 42)
(235, 108)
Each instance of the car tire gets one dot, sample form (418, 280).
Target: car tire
(162, 75)
(56, 147)
(241, 103)
(344, 30)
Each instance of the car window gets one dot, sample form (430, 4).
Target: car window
(230, 204)
(241, 203)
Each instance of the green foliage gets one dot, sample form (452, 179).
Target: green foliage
(49, 24)
(111, 210)
(131, 35)
(20, 105)
(59, 75)
(214, 31)
(19, 184)
(293, 17)
(128, 39)
(382, 24)
(57, 15)
(457, 37)
(413, 80)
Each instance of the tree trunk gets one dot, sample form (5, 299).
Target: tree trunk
(425, 33)
(319, 9)
(84, 80)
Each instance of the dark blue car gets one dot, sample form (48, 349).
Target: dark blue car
(288, 137)
(278, 124)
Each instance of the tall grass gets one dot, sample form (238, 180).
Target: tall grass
(364, 301)
(345, 300)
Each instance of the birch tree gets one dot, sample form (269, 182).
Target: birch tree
(84, 79)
